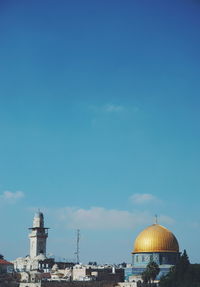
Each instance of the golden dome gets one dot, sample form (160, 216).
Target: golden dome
(156, 238)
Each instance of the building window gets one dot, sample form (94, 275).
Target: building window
(143, 258)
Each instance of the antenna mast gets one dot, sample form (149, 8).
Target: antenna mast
(77, 246)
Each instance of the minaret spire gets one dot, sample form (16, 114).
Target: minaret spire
(38, 236)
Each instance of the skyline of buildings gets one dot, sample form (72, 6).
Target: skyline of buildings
(39, 233)
(154, 244)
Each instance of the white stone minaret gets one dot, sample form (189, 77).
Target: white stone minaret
(38, 236)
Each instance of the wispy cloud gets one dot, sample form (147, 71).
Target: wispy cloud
(111, 108)
(144, 198)
(99, 218)
(11, 197)
(164, 219)
(108, 108)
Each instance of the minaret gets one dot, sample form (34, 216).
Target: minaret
(38, 236)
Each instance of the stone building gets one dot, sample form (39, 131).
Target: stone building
(97, 273)
(5, 266)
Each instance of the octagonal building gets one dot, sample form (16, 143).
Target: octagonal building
(155, 243)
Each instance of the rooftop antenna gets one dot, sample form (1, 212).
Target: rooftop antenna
(156, 219)
(77, 246)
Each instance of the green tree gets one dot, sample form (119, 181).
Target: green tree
(153, 270)
(150, 273)
(183, 274)
(145, 277)
(183, 264)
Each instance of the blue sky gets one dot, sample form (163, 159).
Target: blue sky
(99, 123)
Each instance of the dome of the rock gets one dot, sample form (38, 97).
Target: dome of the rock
(155, 238)
(155, 244)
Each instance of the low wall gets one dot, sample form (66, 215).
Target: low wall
(30, 284)
(127, 284)
(79, 284)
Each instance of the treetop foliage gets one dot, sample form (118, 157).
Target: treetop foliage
(183, 274)
(150, 273)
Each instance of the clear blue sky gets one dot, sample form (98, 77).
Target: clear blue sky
(99, 123)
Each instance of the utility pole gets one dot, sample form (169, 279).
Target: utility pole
(77, 246)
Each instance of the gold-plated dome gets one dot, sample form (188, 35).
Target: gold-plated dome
(156, 238)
